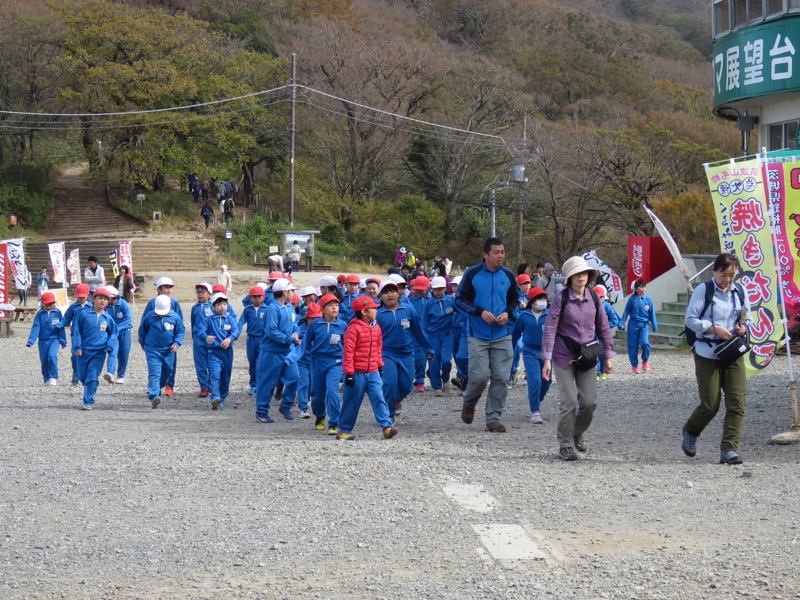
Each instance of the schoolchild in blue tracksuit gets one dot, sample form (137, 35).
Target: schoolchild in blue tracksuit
(439, 319)
(254, 318)
(274, 364)
(613, 321)
(639, 313)
(351, 283)
(419, 299)
(460, 331)
(402, 331)
(222, 329)
(164, 287)
(81, 303)
(324, 344)
(94, 335)
(201, 311)
(304, 359)
(118, 362)
(529, 328)
(362, 364)
(161, 333)
(523, 286)
(50, 339)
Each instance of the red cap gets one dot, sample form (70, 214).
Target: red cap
(275, 275)
(327, 299)
(82, 290)
(535, 291)
(524, 278)
(341, 278)
(374, 280)
(600, 290)
(295, 299)
(313, 311)
(421, 283)
(48, 298)
(256, 290)
(220, 287)
(352, 278)
(363, 303)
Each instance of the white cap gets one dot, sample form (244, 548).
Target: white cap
(327, 281)
(397, 279)
(112, 290)
(438, 282)
(164, 281)
(387, 283)
(224, 267)
(163, 304)
(308, 290)
(281, 285)
(403, 249)
(263, 286)
(456, 280)
(362, 284)
(205, 285)
(218, 296)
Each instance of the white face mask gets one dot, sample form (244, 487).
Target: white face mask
(540, 305)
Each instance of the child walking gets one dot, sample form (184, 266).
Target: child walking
(201, 311)
(362, 365)
(222, 329)
(254, 317)
(613, 321)
(439, 322)
(50, 339)
(529, 328)
(161, 333)
(94, 334)
(312, 312)
(639, 313)
(81, 303)
(119, 308)
(324, 343)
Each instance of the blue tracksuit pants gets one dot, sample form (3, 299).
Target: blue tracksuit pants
(420, 362)
(252, 358)
(517, 355)
(48, 356)
(220, 365)
(326, 374)
(369, 383)
(74, 362)
(537, 386)
(303, 383)
(160, 365)
(200, 353)
(442, 356)
(461, 353)
(90, 365)
(638, 335)
(272, 368)
(398, 379)
(118, 363)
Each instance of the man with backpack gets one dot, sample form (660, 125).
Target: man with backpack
(718, 310)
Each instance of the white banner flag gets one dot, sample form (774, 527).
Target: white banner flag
(126, 256)
(607, 277)
(670, 243)
(74, 267)
(16, 259)
(58, 261)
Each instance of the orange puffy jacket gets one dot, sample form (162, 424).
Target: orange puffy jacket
(363, 347)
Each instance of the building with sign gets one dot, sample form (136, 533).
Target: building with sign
(757, 69)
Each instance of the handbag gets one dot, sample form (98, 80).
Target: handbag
(730, 350)
(584, 356)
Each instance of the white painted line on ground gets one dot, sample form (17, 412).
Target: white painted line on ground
(472, 497)
(547, 547)
(508, 542)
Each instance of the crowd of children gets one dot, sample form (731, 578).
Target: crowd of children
(320, 349)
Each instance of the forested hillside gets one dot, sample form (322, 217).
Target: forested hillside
(409, 112)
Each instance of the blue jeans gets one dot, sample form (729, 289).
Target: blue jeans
(398, 379)
(272, 368)
(220, 365)
(442, 355)
(369, 383)
(200, 353)
(638, 335)
(326, 374)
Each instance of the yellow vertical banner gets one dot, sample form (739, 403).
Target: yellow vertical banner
(740, 203)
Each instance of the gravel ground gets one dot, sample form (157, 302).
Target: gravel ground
(129, 502)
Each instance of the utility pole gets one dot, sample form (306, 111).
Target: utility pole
(291, 138)
(494, 208)
(521, 180)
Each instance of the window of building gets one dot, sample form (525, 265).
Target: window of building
(783, 136)
(721, 17)
(739, 13)
(774, 7)
(794, 4)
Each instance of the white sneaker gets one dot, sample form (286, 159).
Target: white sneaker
(536, 418)
(109, 377)
(304, 414)
(53, 382)
(120, 380)
(438, 393)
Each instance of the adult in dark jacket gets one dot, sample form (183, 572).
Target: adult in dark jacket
(488, 295)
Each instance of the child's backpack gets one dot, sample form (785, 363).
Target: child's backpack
(691, 336)
(206, 212)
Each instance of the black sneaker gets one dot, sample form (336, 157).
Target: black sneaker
(567, 454)
(580, 443)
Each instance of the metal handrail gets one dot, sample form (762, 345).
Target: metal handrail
(700, 272)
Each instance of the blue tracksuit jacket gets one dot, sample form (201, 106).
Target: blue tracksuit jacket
(496, 292)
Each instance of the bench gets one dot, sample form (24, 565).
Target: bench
(5, 325)
(24, 313)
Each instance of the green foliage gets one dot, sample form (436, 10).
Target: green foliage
(25, 192)
(250, 239)
(171, 203)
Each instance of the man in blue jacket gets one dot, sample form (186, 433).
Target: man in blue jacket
(488, 295)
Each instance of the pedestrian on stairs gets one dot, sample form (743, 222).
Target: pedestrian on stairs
(207, 212)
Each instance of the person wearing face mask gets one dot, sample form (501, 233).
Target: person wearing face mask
(530, 328)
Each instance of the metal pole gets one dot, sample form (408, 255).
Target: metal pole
(521, 207)
(494, 209)
(292, 138)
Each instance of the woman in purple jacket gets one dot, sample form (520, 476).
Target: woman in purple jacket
(581, 317)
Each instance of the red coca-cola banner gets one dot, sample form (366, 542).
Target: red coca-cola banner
(5, 298)
(648, 257)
